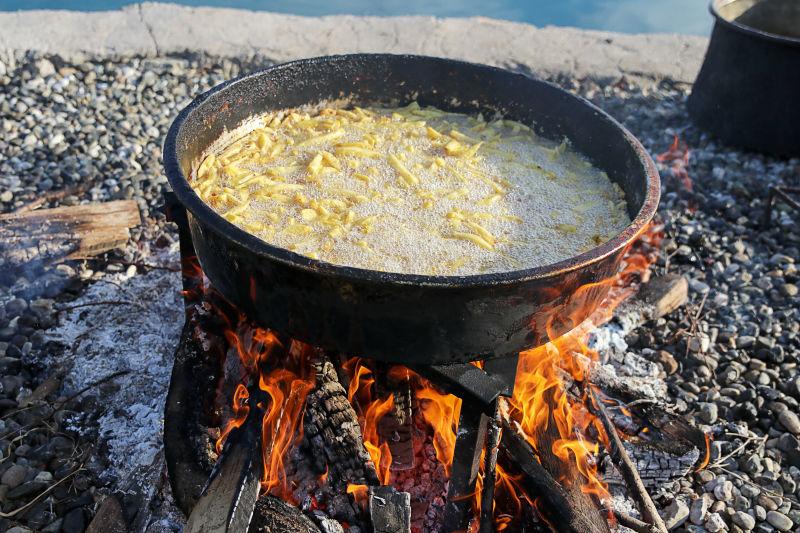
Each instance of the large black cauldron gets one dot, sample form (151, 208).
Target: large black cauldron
(410, 319)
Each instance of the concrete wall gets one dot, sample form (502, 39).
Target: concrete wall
(153, 29)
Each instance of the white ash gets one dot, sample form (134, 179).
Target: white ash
(620, 368)
(140, 339)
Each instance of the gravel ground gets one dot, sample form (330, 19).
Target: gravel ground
(94, 129)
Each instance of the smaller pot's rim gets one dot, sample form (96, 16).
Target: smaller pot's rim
(749, 30)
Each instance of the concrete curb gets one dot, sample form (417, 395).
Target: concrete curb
(160, 29)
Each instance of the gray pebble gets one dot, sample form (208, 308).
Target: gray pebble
(744, 520)
(779, 521)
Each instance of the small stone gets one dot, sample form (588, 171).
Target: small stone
(697, 514)
(44, 476)
(724, 491)
(667, 361)
(715, 523)
(676, 514)
(26, 489)
(74, 521)
(44, 68)
(779, 521)
(789, 289)
(708, 412)
(744, 520)
(15, 307)
(790, 421)
(14, 476)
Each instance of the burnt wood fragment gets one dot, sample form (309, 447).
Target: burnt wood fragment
(194, 376)
(389, 510)
(466, 461)
(627, 468)
(273, 515)
(490, 472)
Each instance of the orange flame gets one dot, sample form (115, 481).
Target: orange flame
(279, 431)
(677, 155)
(240, 412)
(441, 412)
(540, 401)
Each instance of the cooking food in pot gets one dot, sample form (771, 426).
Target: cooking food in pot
(410, 190)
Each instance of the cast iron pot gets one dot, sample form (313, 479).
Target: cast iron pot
(409, 319)
(747, 90)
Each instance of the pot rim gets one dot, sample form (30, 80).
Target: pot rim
(198, 208)
(749, 30)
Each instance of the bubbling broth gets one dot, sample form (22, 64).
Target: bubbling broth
(413, 190)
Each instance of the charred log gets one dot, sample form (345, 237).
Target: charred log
(332, 429)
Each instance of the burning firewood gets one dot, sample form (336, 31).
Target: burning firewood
(557, 486)
(31, 239)
(331, 426)
(561, 507)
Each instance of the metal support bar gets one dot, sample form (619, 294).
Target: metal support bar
(176, 212)
(464, 472)
(468, 382)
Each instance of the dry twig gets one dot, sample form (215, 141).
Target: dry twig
(626, 467)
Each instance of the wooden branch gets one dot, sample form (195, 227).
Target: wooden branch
(73, 232)
(634, 523)
(627, 468)
(559, 506)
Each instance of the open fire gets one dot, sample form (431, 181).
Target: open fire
(406, 425)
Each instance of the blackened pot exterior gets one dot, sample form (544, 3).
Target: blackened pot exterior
(748, 90)
(409, 319)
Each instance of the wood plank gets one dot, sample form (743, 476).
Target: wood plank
(31, 238)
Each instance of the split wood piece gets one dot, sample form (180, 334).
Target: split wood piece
(627, 468)
(229, 500)
(33, 238)
(275, 515)
(331, 426)
(657, 298)
(469, 443)
(566, 509)
(389, 510)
